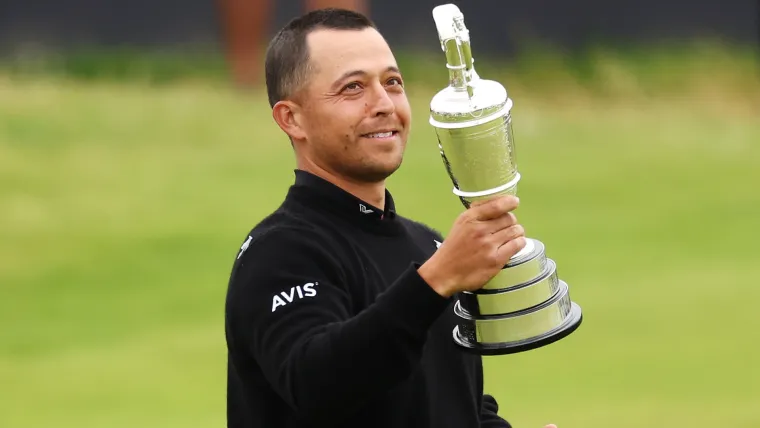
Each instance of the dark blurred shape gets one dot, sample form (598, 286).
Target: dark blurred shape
(244, 23)
(247, 25)
(502, 26)
(240, 28)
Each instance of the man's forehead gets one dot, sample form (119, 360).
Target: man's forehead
(336, 51)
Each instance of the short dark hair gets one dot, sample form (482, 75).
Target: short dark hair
(287, 57)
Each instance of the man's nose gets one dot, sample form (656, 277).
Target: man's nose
(381, 104)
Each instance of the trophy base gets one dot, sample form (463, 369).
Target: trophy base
(526, 306)
(572, 323)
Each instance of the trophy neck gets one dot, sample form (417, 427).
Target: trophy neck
(455, 62)
(455, 43)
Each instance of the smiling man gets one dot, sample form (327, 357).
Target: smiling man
(338, 312)
(347, 111)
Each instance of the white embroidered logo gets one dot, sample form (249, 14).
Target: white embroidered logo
(245, 246)
(437, 244)
(364, 210)
(299, 291)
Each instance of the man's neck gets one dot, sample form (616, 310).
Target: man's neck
(371, 193)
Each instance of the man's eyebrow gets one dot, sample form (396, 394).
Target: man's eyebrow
(353, 73)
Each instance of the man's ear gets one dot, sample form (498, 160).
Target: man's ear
(287, 114)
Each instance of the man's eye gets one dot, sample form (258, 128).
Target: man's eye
(352, 86)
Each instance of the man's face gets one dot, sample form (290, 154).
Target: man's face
(354, 114)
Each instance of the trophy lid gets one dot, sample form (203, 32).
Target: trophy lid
(452, 108)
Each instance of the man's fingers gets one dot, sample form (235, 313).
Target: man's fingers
(507, 234)
(494, 208)
(500, 223)
(511, 248)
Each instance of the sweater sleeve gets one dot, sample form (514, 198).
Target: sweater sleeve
(489, 414)
(290, 309)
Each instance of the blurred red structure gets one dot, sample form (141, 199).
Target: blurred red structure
(246, 24)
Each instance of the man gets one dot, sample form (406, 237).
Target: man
(339, 309)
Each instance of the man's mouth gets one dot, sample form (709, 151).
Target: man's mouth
(385, 134)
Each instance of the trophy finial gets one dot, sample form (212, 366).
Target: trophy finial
(444, 17)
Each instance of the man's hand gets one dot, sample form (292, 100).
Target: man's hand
(551, 426)
(481, 241)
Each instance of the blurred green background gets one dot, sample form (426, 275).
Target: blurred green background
(127, 185)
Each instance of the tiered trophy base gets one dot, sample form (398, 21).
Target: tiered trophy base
(525, 306)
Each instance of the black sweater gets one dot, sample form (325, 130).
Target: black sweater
(328, 323)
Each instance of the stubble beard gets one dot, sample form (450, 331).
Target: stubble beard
(363, 168)
(366, 170)
(357, 166)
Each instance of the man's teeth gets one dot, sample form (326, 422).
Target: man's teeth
(380, 135)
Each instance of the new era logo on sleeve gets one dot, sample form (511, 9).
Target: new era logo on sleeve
(437, 243)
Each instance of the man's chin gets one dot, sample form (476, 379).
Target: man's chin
(375, 173)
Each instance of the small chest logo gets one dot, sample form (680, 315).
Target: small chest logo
(296, 293)
(364, 210)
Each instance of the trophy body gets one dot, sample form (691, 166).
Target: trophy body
(526, 305)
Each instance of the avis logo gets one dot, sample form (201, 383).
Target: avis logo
(299, 291)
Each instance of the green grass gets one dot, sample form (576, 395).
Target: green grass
(122, 206)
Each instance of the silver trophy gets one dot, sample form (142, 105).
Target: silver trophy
(526, 305)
